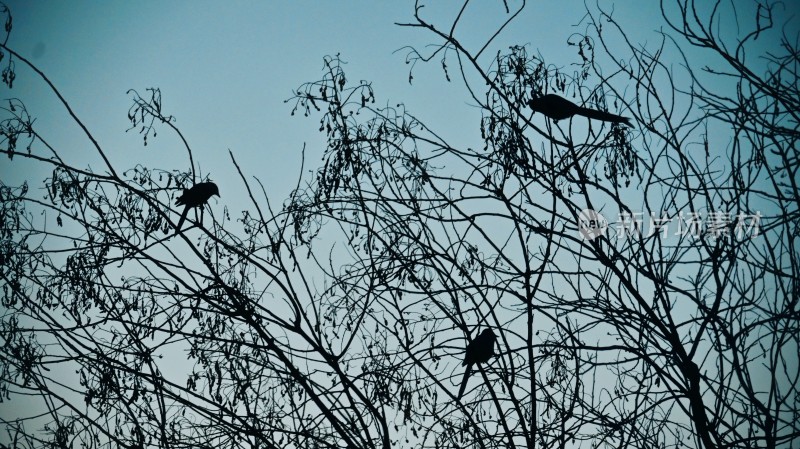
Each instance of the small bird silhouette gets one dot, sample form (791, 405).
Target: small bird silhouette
(197, 196)
(479, 350)
(558, 108)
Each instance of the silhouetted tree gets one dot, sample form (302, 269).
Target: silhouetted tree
(342, 318)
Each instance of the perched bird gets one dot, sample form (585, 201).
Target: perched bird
(558, 108)
(479, 350)
(197, 196)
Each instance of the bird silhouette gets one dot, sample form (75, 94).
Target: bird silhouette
(479, 350)
(197, 196)
(558, 108)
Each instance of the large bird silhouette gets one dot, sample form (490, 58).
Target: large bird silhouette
(479, 350)
(558, 108)
(197, 196)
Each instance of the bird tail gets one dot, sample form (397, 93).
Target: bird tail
(183, 218)
(464, 381)
(603, 116)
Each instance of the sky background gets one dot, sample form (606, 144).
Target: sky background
(225, 70)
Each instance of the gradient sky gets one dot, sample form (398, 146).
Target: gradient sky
(225, 70)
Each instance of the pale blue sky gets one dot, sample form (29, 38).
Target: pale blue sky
(225, 70)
